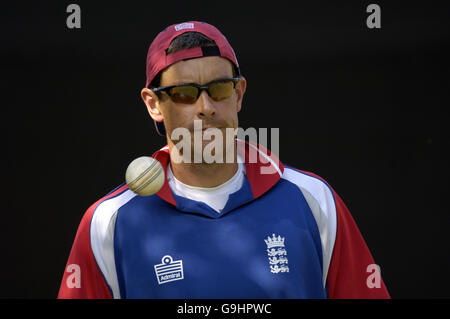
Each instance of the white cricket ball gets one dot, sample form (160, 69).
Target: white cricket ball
(145, 176)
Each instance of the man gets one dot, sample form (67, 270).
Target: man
(245, 227)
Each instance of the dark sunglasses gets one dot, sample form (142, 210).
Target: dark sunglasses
(188, 93)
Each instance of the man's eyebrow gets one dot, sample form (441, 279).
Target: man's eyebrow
(178, 82)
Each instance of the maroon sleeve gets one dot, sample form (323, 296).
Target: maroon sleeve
(353, 272)
(82, 278)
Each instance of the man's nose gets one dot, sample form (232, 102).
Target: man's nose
(206, 106)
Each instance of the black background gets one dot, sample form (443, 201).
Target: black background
(363, 108)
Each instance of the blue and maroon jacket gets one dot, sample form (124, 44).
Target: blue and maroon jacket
(284, 234)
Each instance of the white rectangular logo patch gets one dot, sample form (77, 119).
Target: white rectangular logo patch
(185, 25)
(169, 270)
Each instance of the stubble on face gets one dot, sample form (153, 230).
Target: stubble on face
(213, 115)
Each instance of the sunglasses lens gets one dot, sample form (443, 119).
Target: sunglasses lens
(188, 94)
(184, 94)
(221, 90)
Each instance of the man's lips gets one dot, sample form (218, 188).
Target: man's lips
(207, 128)
(203, 129)
(210, 127)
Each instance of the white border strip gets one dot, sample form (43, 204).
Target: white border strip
(102, 228)
(269, 159)
(321, 201)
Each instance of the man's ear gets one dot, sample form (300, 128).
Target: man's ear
(240, 91)
(152, 101)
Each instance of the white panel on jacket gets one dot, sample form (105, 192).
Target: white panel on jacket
(102, 237)
(321, 201)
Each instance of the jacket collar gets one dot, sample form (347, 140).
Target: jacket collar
(263, 169)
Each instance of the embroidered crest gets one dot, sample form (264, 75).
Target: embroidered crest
(277, 254)
(169, 270)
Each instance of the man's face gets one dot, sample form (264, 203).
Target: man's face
(216, 114)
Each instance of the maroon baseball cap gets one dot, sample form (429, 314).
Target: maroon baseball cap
(158, 59)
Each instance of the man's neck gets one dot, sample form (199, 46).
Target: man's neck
(204, 174)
